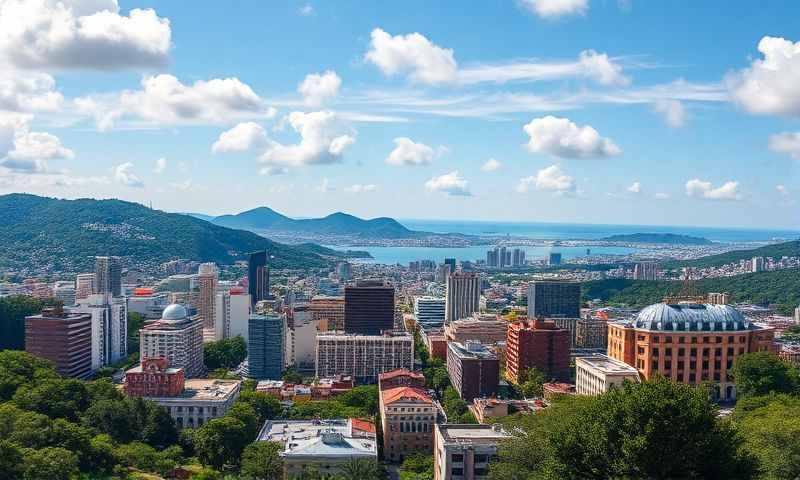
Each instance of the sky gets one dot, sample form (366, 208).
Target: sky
(591, 111)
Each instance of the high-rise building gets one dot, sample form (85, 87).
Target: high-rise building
(64, 338)
(364, 357)
(554, 258)
(207, 279)
(463, 295)
(518, 257)
(591, 333)
(442, 272)
(569, 324)
(487, 328)
(108, 276)
(265, 350)
(452, 263)
(369, 307)
(539, 344)
(757, 264)
(327, 312)
(84, 285)
(463, 451)
(429, 311)
(65, 291)
(176, 337)
(492, 258)
(645, 271)
(551, 298)
(344, 271)
(797, 315)
(473, 369)
(502, 257)
(258, 277)
(109, 327)
(301, 335)
(232, 312)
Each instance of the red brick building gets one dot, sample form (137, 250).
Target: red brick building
(154, 378)
(539, 344)
(474, 370)
(63, 338)
(401, 378)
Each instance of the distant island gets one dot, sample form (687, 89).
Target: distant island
(665, 238)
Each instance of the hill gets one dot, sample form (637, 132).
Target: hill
(665, 238)
(64, 235)
(788, 249)
(779, 287)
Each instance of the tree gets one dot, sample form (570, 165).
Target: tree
(363, 397)
(361, 469)
(135, 323)
(51, 463)
(531, 383)
(290, 375)
(21, 368)
(417, 466)
(226, 353)
(112, 417)
(247, 415)
(261, 461)
(56, 398)
(10, 460)
(266, 406)
(762, 373)
(13, 310)
(221, 441)
(772, 433)
(159, 428)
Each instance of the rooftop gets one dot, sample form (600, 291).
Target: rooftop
(204, 389)
(404, 394)
(322, 438)
(607, 364)
(472, 433)
(471, 349)
(400, 372)
(685, 317)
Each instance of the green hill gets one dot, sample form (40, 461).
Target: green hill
(779, 287)
(64, 235)
(777, 250)
(664, 238)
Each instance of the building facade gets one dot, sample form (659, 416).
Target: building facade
(369, 307)
(550, 298)
(408, 416)
(206, 281)
(84, 285)
(538, 344)
(591, 333)
(473, 369)
(109, 327)
(327, 312)
(429, 311)
(108, 276)
(176, 337)
(486, 328)
(258, 277)
(301, 335)
(462, 295)
(232, 313)
(153, 377)
(363, 356)
(596, 374)
(62, 337)
(645, 271)
(265, 346)
(463, 452)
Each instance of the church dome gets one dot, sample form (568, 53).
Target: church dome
(691, 317)
(174, 313)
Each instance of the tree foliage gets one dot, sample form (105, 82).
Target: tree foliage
(260, 461)
(13, 310)
(762, 373)
(771, 432)
(226, 353)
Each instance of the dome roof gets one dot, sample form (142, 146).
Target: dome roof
(174, 312)
(694, 317)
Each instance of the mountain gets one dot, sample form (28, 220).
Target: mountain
(776, 250)
(665, 238)
(64, 235)
(264, 219)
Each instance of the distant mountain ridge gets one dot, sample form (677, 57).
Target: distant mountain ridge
(665, 238)
(775, 250)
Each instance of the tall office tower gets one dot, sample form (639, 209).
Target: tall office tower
(442, 272)
(84, 285)
(473, 369)
(463, 295)
(176, 337)
(554, 258)
(231, 312)
(492, 257)
(108, 276)
(501, 260)
(207, 279)
(363, 356)
(265, 346)
(109, 327)
(645, 271)
(553, 298)
(757, 264)
(369, 307)
(515, 262)
(539, 344)
(258, 277)
(797, 315)
(508, 258)
(429, 311)
(63, 338)
(344, 271)
(452, 263)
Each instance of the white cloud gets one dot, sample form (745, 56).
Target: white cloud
(361, 188)
(491, 165)
(22, 150)
(161, 165)
(770, 86)
(549, 179)
(673, 112)
(450, 183)
(45, 34)
(407, 152)
(164, 100)
(306, 10)
(412, 54)
(123, 174)
(323, 139)
(703, 189)
(551, 9)
(786, 142)
(662, 196)
(23, 91)
(635, 187)
(317, 88)
(243, 137)
(563, 138)
(324, 186)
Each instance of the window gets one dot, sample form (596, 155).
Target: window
(655, 339)
(681, 352)
(482, 458)
(655, 351)
(457, 458)
(668, 352)
(457, 471)
(694, 352)
(719, 339)
(681, 339)
(691, 377)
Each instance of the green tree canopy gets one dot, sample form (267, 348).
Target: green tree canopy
(20, 368)
(762, 373)
(226, 353)
(260, 461)
(266, 406)
(56, 397)
(772, 433)
(220, 442)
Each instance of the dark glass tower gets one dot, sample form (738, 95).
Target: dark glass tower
(258, 277)
(369, 307)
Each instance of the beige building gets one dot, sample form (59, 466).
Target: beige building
(202, 400)
(463, 452)
(177, 338)
(485, 328)
(363, 356)
(207, 278)
(327, 312)
(408, 415)
(596, 374)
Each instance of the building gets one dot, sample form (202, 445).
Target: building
(258, 277)
(368, 307)
(325, 445)
(84, 285)
(109, 327)
(553, 390)
(301, 336)
(327, 312)
(487, 410)
(484, 328)
(329, 287)
(265, 346)
(321, 389)
(147, 303)
(552, 298)
(790, 353)
(65, 291)
(344, 271)
(108, 276)
(539, 344)
(176, 337)
(435, 342)
(689, 343)
(517, 257)
(64, 338)
(463, 452)
(232, 314)
(429, 311)
(719, 298)
(554, 259)
(400, 377)
(598, 373)
(567, 323)
(645, 271)
(591, 333)
(463, 295)
(757, 264)
(473, 369)
(451, 262)
(363, 356)
(207, 279)
(408, 416)
(153, 377)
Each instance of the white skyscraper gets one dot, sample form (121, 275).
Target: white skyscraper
(232, 312)
(109, 327)
(463, 295)
(207, 279)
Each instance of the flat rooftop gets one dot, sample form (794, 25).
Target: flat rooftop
(204, 389)
(469, 433)
(607, 365)
(320, 438)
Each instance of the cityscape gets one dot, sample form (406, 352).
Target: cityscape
(374, 241)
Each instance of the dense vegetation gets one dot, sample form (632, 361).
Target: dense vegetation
(665, 238)
(13, 310)
(778, 250)
(227, 353)
(779, 287)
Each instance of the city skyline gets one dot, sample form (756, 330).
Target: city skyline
(581, 111)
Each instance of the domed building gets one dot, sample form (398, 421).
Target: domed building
(688, 342)
(175, 337)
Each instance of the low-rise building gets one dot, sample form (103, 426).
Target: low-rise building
(435, 341)
(553, 390)
(408, 415)
(363, 356)
(790, 352)
(463, 452)
(322, 389)
(486, 410)
(401, 378)
(473, 369)
(153, 377)
(484, 328)
(596, 374)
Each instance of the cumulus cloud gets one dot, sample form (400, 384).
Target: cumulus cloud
(635, 187)
(673, 112)
(361, 188)
(552, 9)
(323, 139)
(161, 165)
(164, 100)
(549, 179)
(563, 138)
(24, 151)
(702, 189)
(123, 174)
(243, 137)
(317, 88)
(491, 165)
(771, 85)
(412, 54)
(787, 143)
(45, 34)
(22, 91)
(450, 183)
(409, 153)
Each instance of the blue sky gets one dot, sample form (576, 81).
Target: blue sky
(596, 111)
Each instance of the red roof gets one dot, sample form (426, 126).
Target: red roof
(400, 372)
(362, 425)
(394, 394)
